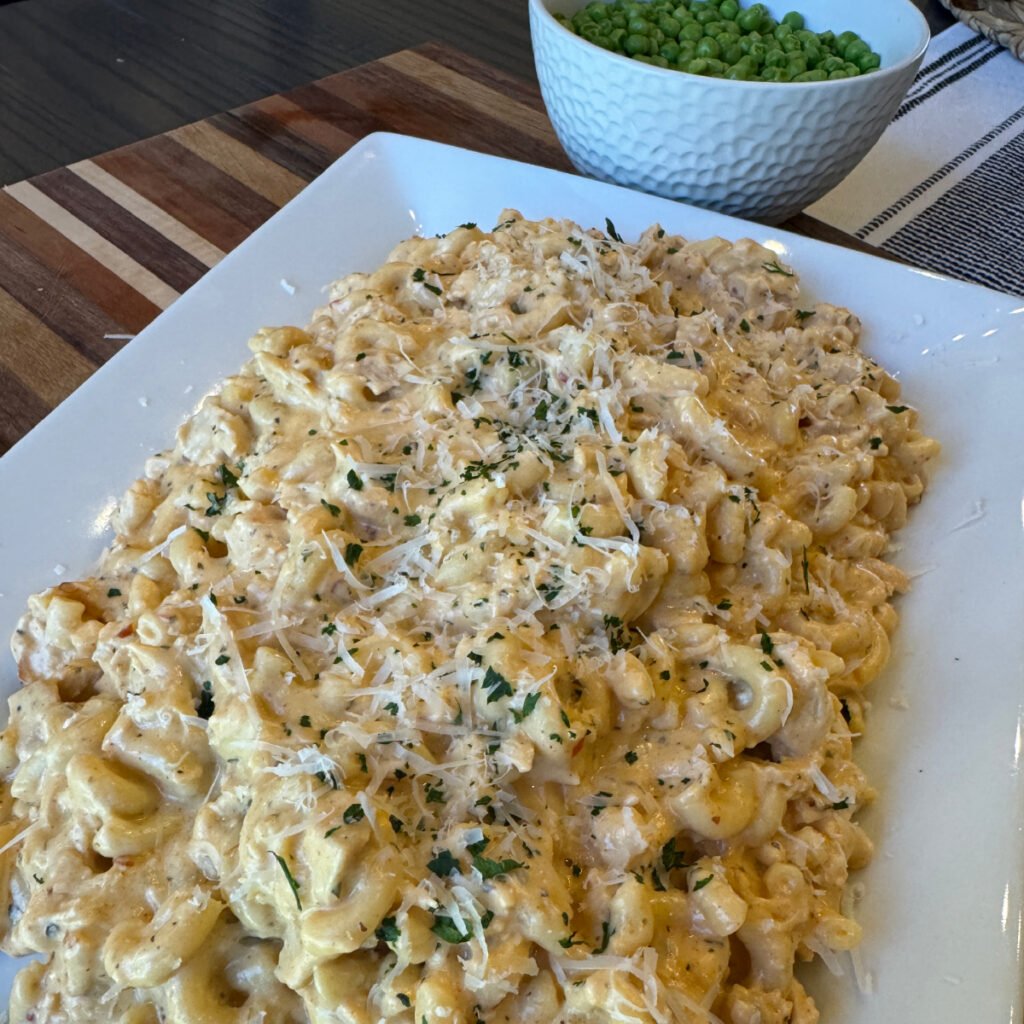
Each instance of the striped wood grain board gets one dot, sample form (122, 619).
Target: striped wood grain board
(92, 252)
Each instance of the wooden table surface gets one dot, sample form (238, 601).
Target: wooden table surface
(90, 253)
(79, 77)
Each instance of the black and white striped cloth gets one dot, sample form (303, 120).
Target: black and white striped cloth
(944, 186)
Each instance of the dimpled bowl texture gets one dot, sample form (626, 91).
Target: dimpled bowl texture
(763, 150)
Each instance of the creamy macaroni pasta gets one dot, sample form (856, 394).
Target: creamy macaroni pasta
(488, 652)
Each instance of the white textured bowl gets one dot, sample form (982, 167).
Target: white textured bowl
(756, 149)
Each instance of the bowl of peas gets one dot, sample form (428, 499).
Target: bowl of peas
(754, 109)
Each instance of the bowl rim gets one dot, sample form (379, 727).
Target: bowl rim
(540, 9)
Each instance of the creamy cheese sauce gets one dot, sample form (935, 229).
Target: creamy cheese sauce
(489, 651)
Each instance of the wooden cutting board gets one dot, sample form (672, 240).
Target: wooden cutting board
(92, 252)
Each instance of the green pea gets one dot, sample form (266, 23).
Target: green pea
(738, 73)
(657, 36)
(713, 28)
(729, 9)
(619, 20)
(806, 36)
(869, 62)
(827, 39)
(757, 53)
(697, 66)
(658, 61)
(797, 65)
(635, 44)
(782, 31)
(670, 50)
(598, 11)
(813, 56)
(681, 14)
(749, 20)
(776, 75)
(687, 52)
(855, 50)
(638, 26)
(708, 48)
(793, 19)
(716, 67)
(691, 31)
(843, 40)
(730, 28)
(830, 64)
(851, 69)
(835, 76)
(706, 15)
(669, 25)
(731, 53)
(775, 58)
(810, 76)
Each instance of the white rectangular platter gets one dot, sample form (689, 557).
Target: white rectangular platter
(943, 904)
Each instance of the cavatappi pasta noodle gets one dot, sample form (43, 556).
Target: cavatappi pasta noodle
(489, 651)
